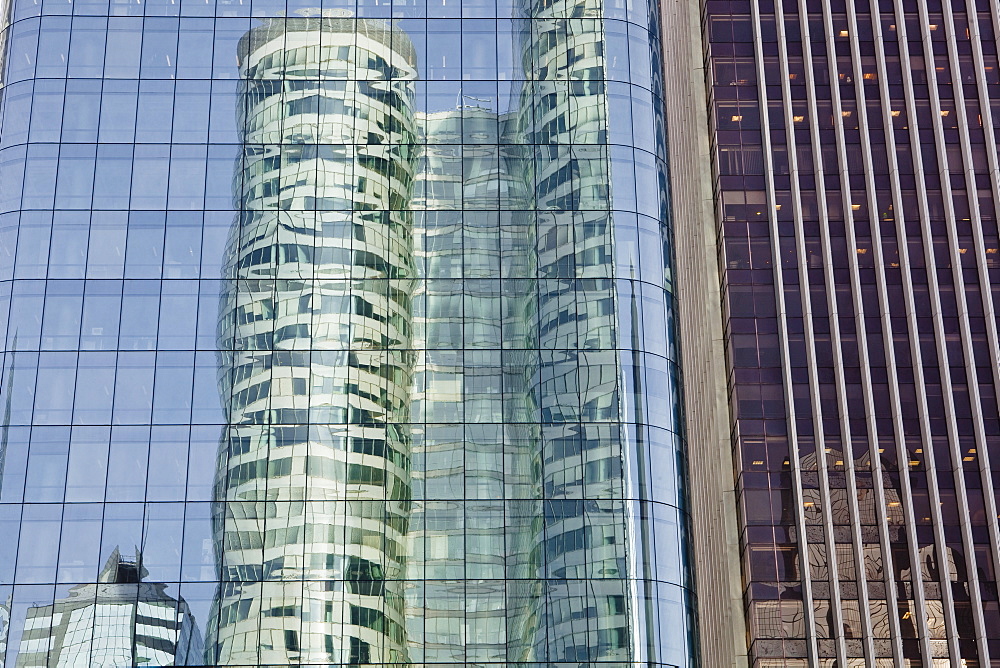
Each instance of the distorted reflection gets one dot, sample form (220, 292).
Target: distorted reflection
(446, 438)
(122, 620)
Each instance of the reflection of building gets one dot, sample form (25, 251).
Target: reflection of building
(446, 356)
(582, 536)
(120, 621)
(512, 387)
(472, 457)
(313, 489)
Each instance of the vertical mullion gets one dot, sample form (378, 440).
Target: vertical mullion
(963, 314)
(970, 365)
(989, 310)
(902, 458)
(884, 317)
(806, 301)
(779, 294)
(833, 314)
(951, 630)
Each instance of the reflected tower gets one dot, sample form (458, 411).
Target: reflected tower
(593, 539)
(119, 620)
(580, 532)
(313, 485)
(473, 312)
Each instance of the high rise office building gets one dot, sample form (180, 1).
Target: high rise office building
(119, 621)
(842, 199)
(358, 320)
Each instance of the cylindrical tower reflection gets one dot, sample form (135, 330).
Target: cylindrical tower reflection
(582, 536)
(313, 488)
(594, 537)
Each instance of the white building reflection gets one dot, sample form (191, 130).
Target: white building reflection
(119, 621)
(313, 489)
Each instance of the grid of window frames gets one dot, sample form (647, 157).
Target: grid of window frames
(344, 333)
(858, 201)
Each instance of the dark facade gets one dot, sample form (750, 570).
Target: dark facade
(856, 188)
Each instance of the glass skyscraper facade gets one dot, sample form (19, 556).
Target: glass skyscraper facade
(353, 324)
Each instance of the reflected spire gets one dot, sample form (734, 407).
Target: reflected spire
(9, 384)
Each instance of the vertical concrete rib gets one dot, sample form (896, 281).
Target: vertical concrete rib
(865, 364)
(951, 630)
(832, 314)
(917, 585)
(822, 461)
(848, 454)
(715, 535)
(964, 326)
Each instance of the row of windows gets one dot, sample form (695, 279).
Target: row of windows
(201, 112)
(88, 176)
(66, 543)
(635, 11)
(121, 396)
(179, 246)
(164, 48)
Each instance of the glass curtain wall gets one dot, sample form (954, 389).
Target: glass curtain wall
(352, 324)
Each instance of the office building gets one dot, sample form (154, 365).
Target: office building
(359, 319)
(119, 621)
(362, 322)
(850, 386)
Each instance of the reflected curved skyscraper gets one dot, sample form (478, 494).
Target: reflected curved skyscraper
(313, 488)
(595, 536)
